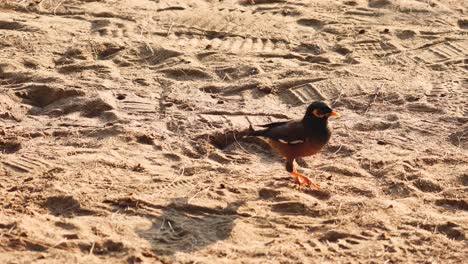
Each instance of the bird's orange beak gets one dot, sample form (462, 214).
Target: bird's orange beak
(335, 114)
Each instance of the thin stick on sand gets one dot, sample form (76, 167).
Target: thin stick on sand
(197, 193)
(338, 150)
(235, 139)
(170, 226)
(92, 248)
(171, 183)
(57, 6)
(376, 94)
(170, 28)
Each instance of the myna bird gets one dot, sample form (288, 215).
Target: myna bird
(299, 138)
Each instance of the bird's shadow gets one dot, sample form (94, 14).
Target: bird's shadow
(184, 227)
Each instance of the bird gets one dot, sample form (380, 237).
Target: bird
(299, 138)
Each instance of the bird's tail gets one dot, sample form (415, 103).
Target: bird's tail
(254, 133)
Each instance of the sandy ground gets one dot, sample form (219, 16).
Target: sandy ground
(121, 131)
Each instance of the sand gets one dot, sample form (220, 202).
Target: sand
(121, 128)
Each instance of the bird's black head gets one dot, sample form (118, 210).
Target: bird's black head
(319, 111)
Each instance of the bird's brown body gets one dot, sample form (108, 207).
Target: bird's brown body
(300, 138)
(289, 151)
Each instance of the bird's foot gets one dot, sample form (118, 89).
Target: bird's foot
(304, 180)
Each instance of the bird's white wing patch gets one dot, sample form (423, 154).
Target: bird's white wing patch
(291, 142)
(296, 142)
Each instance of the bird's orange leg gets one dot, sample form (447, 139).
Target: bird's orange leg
(303, 180)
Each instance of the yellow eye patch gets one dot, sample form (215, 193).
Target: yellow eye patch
(317, 114)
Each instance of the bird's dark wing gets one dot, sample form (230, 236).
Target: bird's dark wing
(274, 124)
(286, 132)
